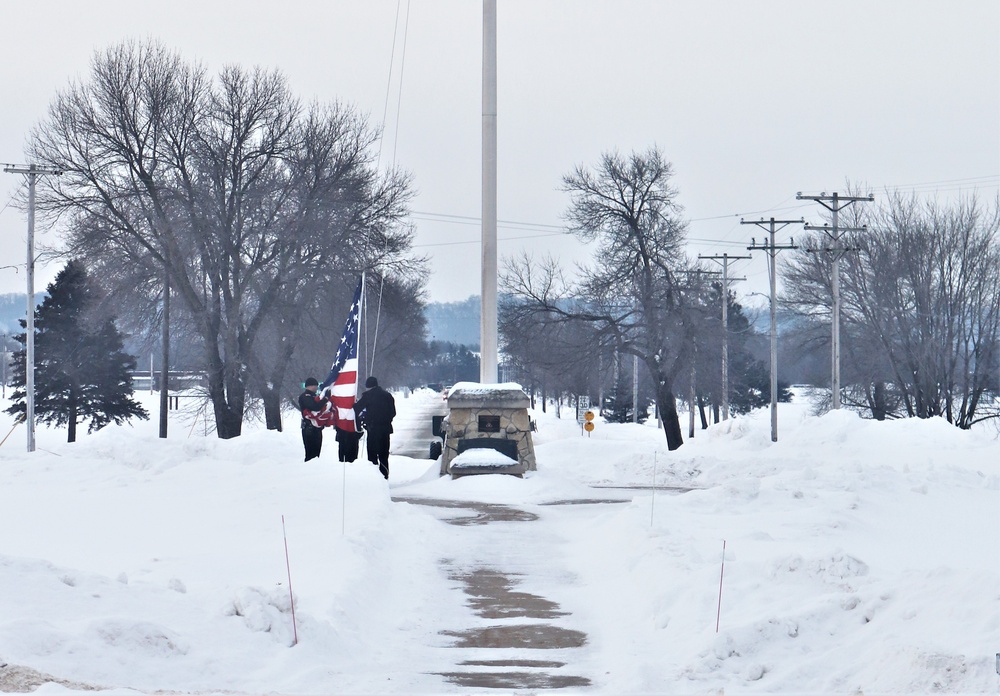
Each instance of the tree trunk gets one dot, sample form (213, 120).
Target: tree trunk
(228, 413)
(701, 412)
(879, 401)
(272, 408)
(227, 424)
(666, 403)
(270, 395)
(72, 415)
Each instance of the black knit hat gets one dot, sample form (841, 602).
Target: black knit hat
(311, 382)
(371, 382)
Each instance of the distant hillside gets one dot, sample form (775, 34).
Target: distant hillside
(12, 308)
(456, 322)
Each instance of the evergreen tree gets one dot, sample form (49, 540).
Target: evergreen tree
(81, 368)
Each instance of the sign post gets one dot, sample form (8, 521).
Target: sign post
(582, 407)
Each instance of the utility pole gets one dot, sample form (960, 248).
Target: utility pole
(5, 360)
(165, 352)
(635, 388)
(724, 259)
(772, 249)
(488, 328)
(693, 393)
(32, 172)
(835, 205)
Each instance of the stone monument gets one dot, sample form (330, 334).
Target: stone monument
(487, 430)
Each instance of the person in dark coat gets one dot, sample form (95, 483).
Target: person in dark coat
(347, 443)
(312, 436)
(375, 409)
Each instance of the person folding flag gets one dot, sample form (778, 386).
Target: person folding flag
(341, 384)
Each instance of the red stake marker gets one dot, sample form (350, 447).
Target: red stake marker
(718, 613)
(291, 597)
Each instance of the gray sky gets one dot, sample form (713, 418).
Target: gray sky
(751, 101)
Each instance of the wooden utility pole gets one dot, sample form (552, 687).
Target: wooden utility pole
(165, 355)
(32, 172)
(488, 345)
(772, 249)
(724, 259)
(835, 205)
(635, 388)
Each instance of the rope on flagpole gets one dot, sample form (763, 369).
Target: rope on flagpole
(399, 97)
(395, 141)
(388, 83)
(378, 316)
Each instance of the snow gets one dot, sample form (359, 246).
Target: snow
(478, 389)
(860, 556)
(484, 460)
(482, 457)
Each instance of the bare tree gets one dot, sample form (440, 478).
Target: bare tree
(246, 199)
(921, 308)
(553, 353)
(637, 293)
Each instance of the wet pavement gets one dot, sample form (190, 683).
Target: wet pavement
(472, 513)
(492, 596)
(518, 621)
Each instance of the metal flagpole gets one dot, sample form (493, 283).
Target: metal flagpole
(488, 328)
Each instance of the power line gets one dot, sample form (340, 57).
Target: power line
(550, 230)
(472, 220)
(477, 241)
(943, 181)
(13, 195)
(749, 212)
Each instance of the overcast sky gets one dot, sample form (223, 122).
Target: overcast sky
(751, 101)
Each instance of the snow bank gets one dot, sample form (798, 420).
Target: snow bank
(859, 556)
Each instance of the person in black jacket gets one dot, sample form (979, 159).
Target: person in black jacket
(375, 409)
(312, 436)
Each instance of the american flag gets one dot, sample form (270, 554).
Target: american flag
(342, 382)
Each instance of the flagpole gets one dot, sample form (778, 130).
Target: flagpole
(363, 440)
(361, 320)
(343, 484)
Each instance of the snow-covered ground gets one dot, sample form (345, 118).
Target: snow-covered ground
(859, 557)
